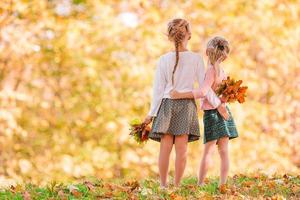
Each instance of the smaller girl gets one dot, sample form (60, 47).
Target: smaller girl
(217, 130)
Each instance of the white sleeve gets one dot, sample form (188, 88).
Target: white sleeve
(159, 85)
(211, 95)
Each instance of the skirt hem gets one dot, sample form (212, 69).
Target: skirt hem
(176, 117)
(158, 135)
(218, 137)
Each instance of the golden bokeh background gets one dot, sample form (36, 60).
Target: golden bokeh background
(73, 73)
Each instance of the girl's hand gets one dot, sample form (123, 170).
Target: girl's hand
(223, 99)
(148, 120)
(174, 94)
(223, 111)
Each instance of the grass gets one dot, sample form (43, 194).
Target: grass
(255, 186)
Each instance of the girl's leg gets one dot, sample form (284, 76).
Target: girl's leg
(166, 145)
(223, 151)
(206, 160)
(181, 155)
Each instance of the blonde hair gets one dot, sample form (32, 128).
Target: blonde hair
(177, 30)
(215, 49)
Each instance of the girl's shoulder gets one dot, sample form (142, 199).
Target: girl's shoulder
(193, 54)
(182, 53)
(189, 57)
(192, 57)
(163, 58)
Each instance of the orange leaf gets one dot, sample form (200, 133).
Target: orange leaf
(76, 193)
(248, 183)
(223, 189)
(174, 196)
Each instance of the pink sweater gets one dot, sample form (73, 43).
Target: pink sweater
(209, 82)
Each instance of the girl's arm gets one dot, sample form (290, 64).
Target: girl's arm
(160, 83)
(210, 95)
(204, 87)
(203, 90)
(181, 95)
(196, 93)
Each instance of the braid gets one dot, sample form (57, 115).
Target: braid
(177, 30)
(177, 59)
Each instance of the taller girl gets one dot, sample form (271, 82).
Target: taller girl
(175, 120)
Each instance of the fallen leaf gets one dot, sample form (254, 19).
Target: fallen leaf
(271, 184)
(132, 185)
(174, 196)
(108, 194)
(76, 193)
(286, 176)
(223, 189)
(74, 190)
(62, 195)
(233, 190)
(26, 195)
(295, 189)
(17, 188)
(260, 186)
(89, 185)
(278, 197)
(247, 183)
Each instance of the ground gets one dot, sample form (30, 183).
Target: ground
(254, 186)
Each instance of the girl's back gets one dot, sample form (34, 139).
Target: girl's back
(185, 74)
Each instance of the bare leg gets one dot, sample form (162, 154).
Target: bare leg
(166, 145)
(223, 151)
(206, 161)
(181, 155)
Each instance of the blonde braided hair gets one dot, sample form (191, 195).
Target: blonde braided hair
(177, 31)
(216, 48)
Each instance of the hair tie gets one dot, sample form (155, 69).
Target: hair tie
(221, 47)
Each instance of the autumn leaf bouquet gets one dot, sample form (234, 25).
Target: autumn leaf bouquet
(231, 90)
(139, 131)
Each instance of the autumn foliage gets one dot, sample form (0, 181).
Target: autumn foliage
(139, 131)
(231, 90)
(240, 186)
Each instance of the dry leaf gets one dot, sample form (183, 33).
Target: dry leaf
(271, 184)
(260, 186)
(174, 196)
(26, 196)
(89, 185)
(76, 193)
(296, 189)
(62, 195)
(223, 189)
(132, 185)
(247, 183)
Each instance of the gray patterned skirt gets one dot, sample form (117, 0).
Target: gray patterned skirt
(176, 117)
(215, 126)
